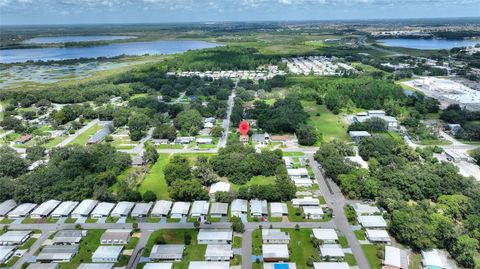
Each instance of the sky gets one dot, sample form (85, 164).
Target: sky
(21, 12)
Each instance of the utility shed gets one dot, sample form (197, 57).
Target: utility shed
(331, 265)
(179, 210)
(107, 254)
(6, 207)
(57, 253)
(278, 210)
(328, 236)
(215, 236)
(68, 237)
(221, 252)
(6, 252)
(372, 221)
(115, 237)
(199, 209)
(21, 211)
(365, 209)
(395, 258)
(258, 208)
(141, 210)
(275, 236)
(84, 209)
(209, 265)
(152, 265)
(102, 210)
(239, 207)
(275, 252)
(161, 208)
(44, 209)
(43, 266)
(218, 210)
(171, 252)
(13, 238)
(96, 266)
(122, 209)
(64, 209)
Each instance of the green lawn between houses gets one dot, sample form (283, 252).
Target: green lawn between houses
(87, 247)
(371, 251)
(301, 247)
(82, 139)
(155, 179)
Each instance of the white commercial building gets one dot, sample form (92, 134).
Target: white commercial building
(214, 236)
(13, 238)
(64, 209)
(275, 252)
(239, 207)
(331, 265)
(199, 209)
(372, 221)
(278, 210)
(161, 208)
(209, 265)
(377, 236)
(364, 209)
(305, 201)
(122, 209)
(107, 254)
(221, 252)
(313, 212)
(102, 210)
(44, 209)
(258, 208)
(141, 210)
(6, 207)
(328, 236)
(275, 236)
(331, 251)
(84, 209)
(395, 258)
(21, 211)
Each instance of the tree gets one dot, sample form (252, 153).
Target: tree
(138, 125)
(11, 165)
(177, 169)
(12, 123)
(224, 197)
(165, 131)
(151, 154)
(217, 131)
(465, 250)
(307, 135)
(149, 196)
(237, 224)
(187, 190)
(189, 121)
(35, 153)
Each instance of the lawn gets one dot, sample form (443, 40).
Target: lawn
(415, 261)
(82, 139)
(257, 242)
(237, 242)
(350, 259)
(38, 221)
(371, 254)
(343, 241)
(155, 179)
(88, 245)
(10, 262)
(256, 180)
(360, 234)
(54, 142)
(301, 247)
(293, 215)
(291, 154)
(331, 126)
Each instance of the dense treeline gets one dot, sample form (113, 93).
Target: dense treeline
(429, 203)
(467, 119)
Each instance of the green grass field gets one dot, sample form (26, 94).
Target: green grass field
(371, 253)
(89, 244)
(360, 234)
(301, 247)
(155, 179)
(257, 242)
(256, 180)
(82, 139)
(331, 126)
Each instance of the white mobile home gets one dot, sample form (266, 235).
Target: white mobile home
(21, 211)
(107, 254)
(44, 209)
(199, 209)
(328, 236)
(278, 210)
(102, 210)
(215, 236)
(6, 207)
(377, 236)
(395, 258)
(239, 207)
(258, 208)
(180, 210)
(14, 238)
(122, 209)
(221, 252)
(161, 208)
(209, 265)
(372, 222)
(305, 201)
(365, 209)
(84, 209)
(141, 210)
(218, 210)
(275, 236)
(331, 251)
(170, 252)
(313, 212)
(275, 252)
(218, 187)
(64, 209)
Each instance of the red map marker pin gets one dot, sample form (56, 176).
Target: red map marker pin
(244, 127)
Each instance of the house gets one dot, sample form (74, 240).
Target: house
(43, 266)
(184, 140)
(102, 210)
(215, 236)
(14, 238)
(244, 139)
(296, 173)
(44, 209)
(141, 210)
(204, 140)
(258, 208)
(68, 237)
(239, 207)
(260, 139)
(331, 265)
(169, 252)
(305, 201)
(288, 162)
(221, 252)
(280, 265)
(179, 210)
(395, 258)
(435, 259)
(64, 209)
(157, 265)
(6, 207)
(377, 236)
(101, 134)
(302, 182)
(280, 138)
(115, 237)
(275, 252)
(313, 212)
(138, 160)
(275, 236)
(209, 265)
(331, 251)
(199, 209)
(57, 253)
(364, 209)
(23, 139)
(372, 221)
(84, 209)
(122, 209)
(357, 136)
(218, 210)
(161, 208)
(278, 210)
(107, 254)
(327, 236)
(21, 211)
(391, 121)
(96, 266)
(6, 252)
(219, 187)
(157, 142)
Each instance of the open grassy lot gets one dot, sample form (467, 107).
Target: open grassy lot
(256, 180)
(296, 215)
(54, 142)
(10, 262)
(82, 139)
(237, 242)
(155, 179)
(331, 126)
(301, 247)
(257, 242)
(415, 261)
(89, 244)
(35, 221)
(371, 253)
(360, 234)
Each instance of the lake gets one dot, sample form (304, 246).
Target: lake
(111, 50)
(428, 44)
(63, 39)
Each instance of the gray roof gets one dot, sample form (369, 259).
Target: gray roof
(107, 252)
(64, 209)
(215, 234)
(43, 266)
(162, 207)
(219, 209)
(6, 251)
(274, 234)
(57, 252)
(122, 209)
(167, 252)
(96, 266)
(22, 210)
(239, 205)
(101, 134)
(14, 237)
(141, 209)
(68, 237)
(259, 206)
(85, 207)
(45, 208)
(103, 209)
(6, 206)
(116, 235)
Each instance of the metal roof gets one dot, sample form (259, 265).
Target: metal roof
(6, 206)
(21, 210)
(85, 207)
(45, 208)
(219, 209)
(64, 209)
(162, 207)
(141, 209)
(107, 252)
(102, 209)
(122, 209)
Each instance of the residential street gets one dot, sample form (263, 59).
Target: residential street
(36, 246)
(77, 133)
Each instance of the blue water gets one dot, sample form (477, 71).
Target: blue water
(83, 38)
(111, 50)
(428, 44)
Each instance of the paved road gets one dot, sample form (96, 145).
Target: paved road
(138, 251)
(77, 133)
(139, 148)
(247, 249)
(336, 202)
(226, 122)
(36, 246)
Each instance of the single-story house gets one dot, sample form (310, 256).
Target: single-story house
(107, 254)
(204, 140)
(6, 207)
(331, 265)
(331, 251)
(161, 208)
(434, 259)
(278, 210)
(57, 253)
(275, 252)
(171, 252)
(84, 209)
(115, 237)
(395, 258)
(43, 266)
(23, 139)
(158, 265)
(357, 136)
(179, 210)
(14, 238)
(365, 209)
(218, 210)
(280, 138)
(302, 182)
(221, 252)
(209, 265)
(275, 236)
(258, 208)
(184, 140)
(328, 236)
(218, 187)
(313, 212)
(44, 209)
(101, 134)
(288, 162)
(96, 266)
(6, 252)
(141, 210)
(138, 160)
(279, 265)
(199, 209)
(215, 236)
(239, 207)
(102, 210)
(68, 237)
(122, 209)
(377, 236)
(64, 209)
(261, 139)
(305, 201)
(21, 211)
(296, 173)
(372, 221)
(157, 142)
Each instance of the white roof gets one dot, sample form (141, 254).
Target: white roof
(96, 266)
(14, 237)
(239, 205)
(85, 207)
(180, 208)
(222, 250)
(331, 250)
(377, 235)
(219, 187)
(280, 208)
(158, 265)
(434, 258)
(297, 172)
(312, 210)
(122, 208)
(275, 251)
(258, 206)
(396, 257)
(331, 265)
(306, 201)
(359, 134)
(302, 181)
(141, 209)
(162, 207)
(22, 210)
(372, 221)
(107, 252)
(64, 208)
(103, 209)
(274, 234)
(364, 209)
(325, 234)
(209, 265)
(215, 234)
(45, 208)
(6, 206)
(199, 208)
(5, 251)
